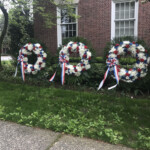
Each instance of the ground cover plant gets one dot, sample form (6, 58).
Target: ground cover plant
(107, 117)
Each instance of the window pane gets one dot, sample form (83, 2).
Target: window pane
(117, 32)
(63, 28)
(122, 32)
(70, 33)
(132, 32)
(117, 24)
(126, 14)
(122, 15)
(122, 6)
(71, 19)
(122, 24)
(63, 35)
(70, 26)
(65, 18)
(132, 6)
(74, 26)
(131, 13)
(127, 32)
(117, 15)
(131, 24)
(67, 34)
(74, 33)
(127, 6)
(126, 24)
(117, 7)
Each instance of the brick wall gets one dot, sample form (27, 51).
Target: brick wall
(47, 35)
(144, 22)
(95, 22)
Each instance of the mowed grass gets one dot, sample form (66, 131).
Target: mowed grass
(109, 118)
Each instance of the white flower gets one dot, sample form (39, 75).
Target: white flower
(36, 67)
(112, 49)
(84, 61)
(89, 54)
(24, 51)
(143, 74)
(29, 68)
(87, 66)
(81, 52)
(141, 48)
(44, 55)
(122, 72)
(141, 55)
(126, 42)
(30, 47)
(34, 72)
(112, 55)
(43, 65)
(40, 59)
(71, 69)
(77, 73)
(121, 50)
(25, 59)
(79, 68)
(74, 46)
(70, 43)
(132, 49)
(37, 51)
(133, 73)
(38, 47)
(141, 65)
(64, 50)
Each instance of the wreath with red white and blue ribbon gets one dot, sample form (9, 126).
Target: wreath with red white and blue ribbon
(24, 52)
(85, 55)
(139, 69)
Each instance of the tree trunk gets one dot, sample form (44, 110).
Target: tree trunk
(4, 29)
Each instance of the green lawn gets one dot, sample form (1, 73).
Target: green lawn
(106, 117)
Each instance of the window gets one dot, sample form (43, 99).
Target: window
(66, 25)
(124, 18)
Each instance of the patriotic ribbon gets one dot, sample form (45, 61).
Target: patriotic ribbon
(62, 60)
(22, 70)
(63, 73)
(110, 63)
(53, 77)
(22, 65)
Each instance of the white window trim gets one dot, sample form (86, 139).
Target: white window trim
(113, 16)
(59, 36)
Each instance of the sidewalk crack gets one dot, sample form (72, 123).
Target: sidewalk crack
(55, 141)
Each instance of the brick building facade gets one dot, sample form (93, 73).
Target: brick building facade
(99, 22)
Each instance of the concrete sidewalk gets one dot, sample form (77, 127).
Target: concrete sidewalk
(18, 137)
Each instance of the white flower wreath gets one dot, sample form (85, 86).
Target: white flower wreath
(25, 51)
(136, 50)
(84, 53)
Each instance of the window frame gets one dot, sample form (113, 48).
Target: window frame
(113, 10)
(59, 24)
